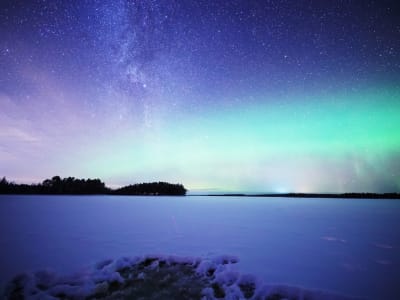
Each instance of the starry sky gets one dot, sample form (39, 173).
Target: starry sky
(241, 95)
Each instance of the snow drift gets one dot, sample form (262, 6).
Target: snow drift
(156, 277)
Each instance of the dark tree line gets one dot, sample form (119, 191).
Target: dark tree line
(70, 186)
(153, 188)
(56, 185)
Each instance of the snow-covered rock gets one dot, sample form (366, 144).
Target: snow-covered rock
(156, 277)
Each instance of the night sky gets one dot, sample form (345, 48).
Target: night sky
(262, 96)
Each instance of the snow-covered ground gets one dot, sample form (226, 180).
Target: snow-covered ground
(345, 246)
(157, 278)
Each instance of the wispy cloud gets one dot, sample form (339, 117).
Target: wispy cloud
(13, 134)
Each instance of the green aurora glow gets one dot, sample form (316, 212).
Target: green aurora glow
(334, 143)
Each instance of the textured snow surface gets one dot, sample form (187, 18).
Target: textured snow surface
(351, 247)
(156, 277)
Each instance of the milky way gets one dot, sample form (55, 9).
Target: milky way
(271, 96)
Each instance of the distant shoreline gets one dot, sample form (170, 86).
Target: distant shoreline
(327, 196)
(74, 186)
(304, 195)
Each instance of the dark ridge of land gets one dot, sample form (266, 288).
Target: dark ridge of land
(154, 188)
(306, 195)
(73, 186)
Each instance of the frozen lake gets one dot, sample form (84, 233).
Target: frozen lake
(342, 245)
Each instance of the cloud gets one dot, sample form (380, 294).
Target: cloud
(13, 134)
(14, 127)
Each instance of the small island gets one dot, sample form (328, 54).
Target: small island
(74, 186)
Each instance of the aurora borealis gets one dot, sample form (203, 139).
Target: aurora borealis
(263, 96)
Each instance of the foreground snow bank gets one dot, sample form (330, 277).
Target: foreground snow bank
(156, 277)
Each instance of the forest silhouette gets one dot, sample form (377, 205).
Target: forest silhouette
(74, 186)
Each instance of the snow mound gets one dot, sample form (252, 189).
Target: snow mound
(156, 277)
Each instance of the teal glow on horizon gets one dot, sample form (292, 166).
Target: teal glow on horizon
(347, 142)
